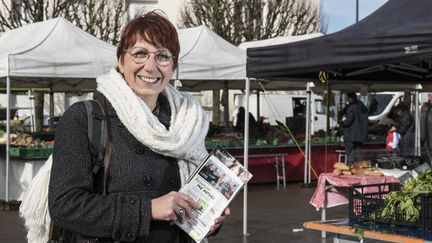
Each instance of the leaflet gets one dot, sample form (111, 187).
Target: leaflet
(213, 185)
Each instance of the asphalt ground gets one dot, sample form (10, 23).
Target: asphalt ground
(274, 215)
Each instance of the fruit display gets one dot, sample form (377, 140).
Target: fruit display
(357, 168)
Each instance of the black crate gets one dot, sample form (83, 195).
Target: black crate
(366, 203)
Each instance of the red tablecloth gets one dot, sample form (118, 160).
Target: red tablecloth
(338, 193)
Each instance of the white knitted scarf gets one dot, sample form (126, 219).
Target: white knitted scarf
(184, 140)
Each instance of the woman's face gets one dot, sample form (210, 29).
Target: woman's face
(147, 79)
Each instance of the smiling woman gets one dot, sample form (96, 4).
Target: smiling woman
(157, 140)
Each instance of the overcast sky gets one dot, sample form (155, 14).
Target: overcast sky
(340, 14)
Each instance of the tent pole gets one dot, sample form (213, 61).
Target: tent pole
(33, 111)
(309, 133)
(246, 154)
(307, 137)
(8, 92)
(417, 145)
(258, 105)
(51, 107)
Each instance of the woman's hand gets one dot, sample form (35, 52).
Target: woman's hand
(173, 206)
(218, 221)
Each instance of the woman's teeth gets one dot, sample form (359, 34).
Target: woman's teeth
(148, 80)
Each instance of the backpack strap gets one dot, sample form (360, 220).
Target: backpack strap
(100, 137)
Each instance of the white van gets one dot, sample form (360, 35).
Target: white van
(288, 109)
(385, 101)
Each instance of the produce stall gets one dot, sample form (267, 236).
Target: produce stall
(27, 152)
(383, 211)
(262, 158)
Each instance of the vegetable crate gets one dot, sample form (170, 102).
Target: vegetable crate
(30, 152)
(366, 202)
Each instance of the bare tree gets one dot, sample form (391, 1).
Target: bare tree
(241, 20)
(101, 18)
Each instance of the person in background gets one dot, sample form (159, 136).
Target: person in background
(426, 125)
(355, 125)
(253, 124)
(373, 105)
(157, 141)
(405, 126)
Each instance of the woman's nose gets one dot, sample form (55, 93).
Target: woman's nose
(151, 64)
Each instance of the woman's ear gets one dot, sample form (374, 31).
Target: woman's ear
(120, 65)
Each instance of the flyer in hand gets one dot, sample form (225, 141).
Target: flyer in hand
(213, 185)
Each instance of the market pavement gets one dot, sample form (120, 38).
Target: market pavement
(273, 214)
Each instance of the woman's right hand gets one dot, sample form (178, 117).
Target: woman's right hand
(166, 207)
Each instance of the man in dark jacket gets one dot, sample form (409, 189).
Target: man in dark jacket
(355, 125)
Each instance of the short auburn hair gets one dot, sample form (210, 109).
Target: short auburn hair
(154, 28)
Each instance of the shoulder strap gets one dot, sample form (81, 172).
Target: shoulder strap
(100, 137)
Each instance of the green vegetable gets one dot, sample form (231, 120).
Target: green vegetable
(403, 202)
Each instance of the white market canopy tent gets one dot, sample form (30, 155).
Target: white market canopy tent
(207, 60)
(53, 52)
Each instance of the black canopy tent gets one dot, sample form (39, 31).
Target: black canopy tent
(393, 44)
(389, 50)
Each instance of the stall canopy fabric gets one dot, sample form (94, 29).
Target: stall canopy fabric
(54, 52)
(278, 84)
(393, 44)
(207, 60)
(278, 40)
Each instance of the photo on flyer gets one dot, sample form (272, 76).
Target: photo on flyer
(229, 161)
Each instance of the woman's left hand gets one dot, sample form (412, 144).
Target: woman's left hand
(218, 221)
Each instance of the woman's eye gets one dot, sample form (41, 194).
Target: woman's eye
(161, 56)
(140, 54)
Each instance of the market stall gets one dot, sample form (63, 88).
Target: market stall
(54, 54)
(388, 48)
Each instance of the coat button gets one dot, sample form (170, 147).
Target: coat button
(130, 235)
(133, 200)
(117, 234)
(173, 182)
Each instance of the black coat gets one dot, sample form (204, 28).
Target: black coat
(356, 122)
(136, 175)
(406, 127)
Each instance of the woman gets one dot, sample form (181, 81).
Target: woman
(157, 141)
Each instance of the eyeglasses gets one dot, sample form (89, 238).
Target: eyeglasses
(140, 55)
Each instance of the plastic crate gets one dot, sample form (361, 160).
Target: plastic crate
(30, 152)
(366, 203)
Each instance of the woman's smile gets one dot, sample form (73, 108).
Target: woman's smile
(150, 80)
